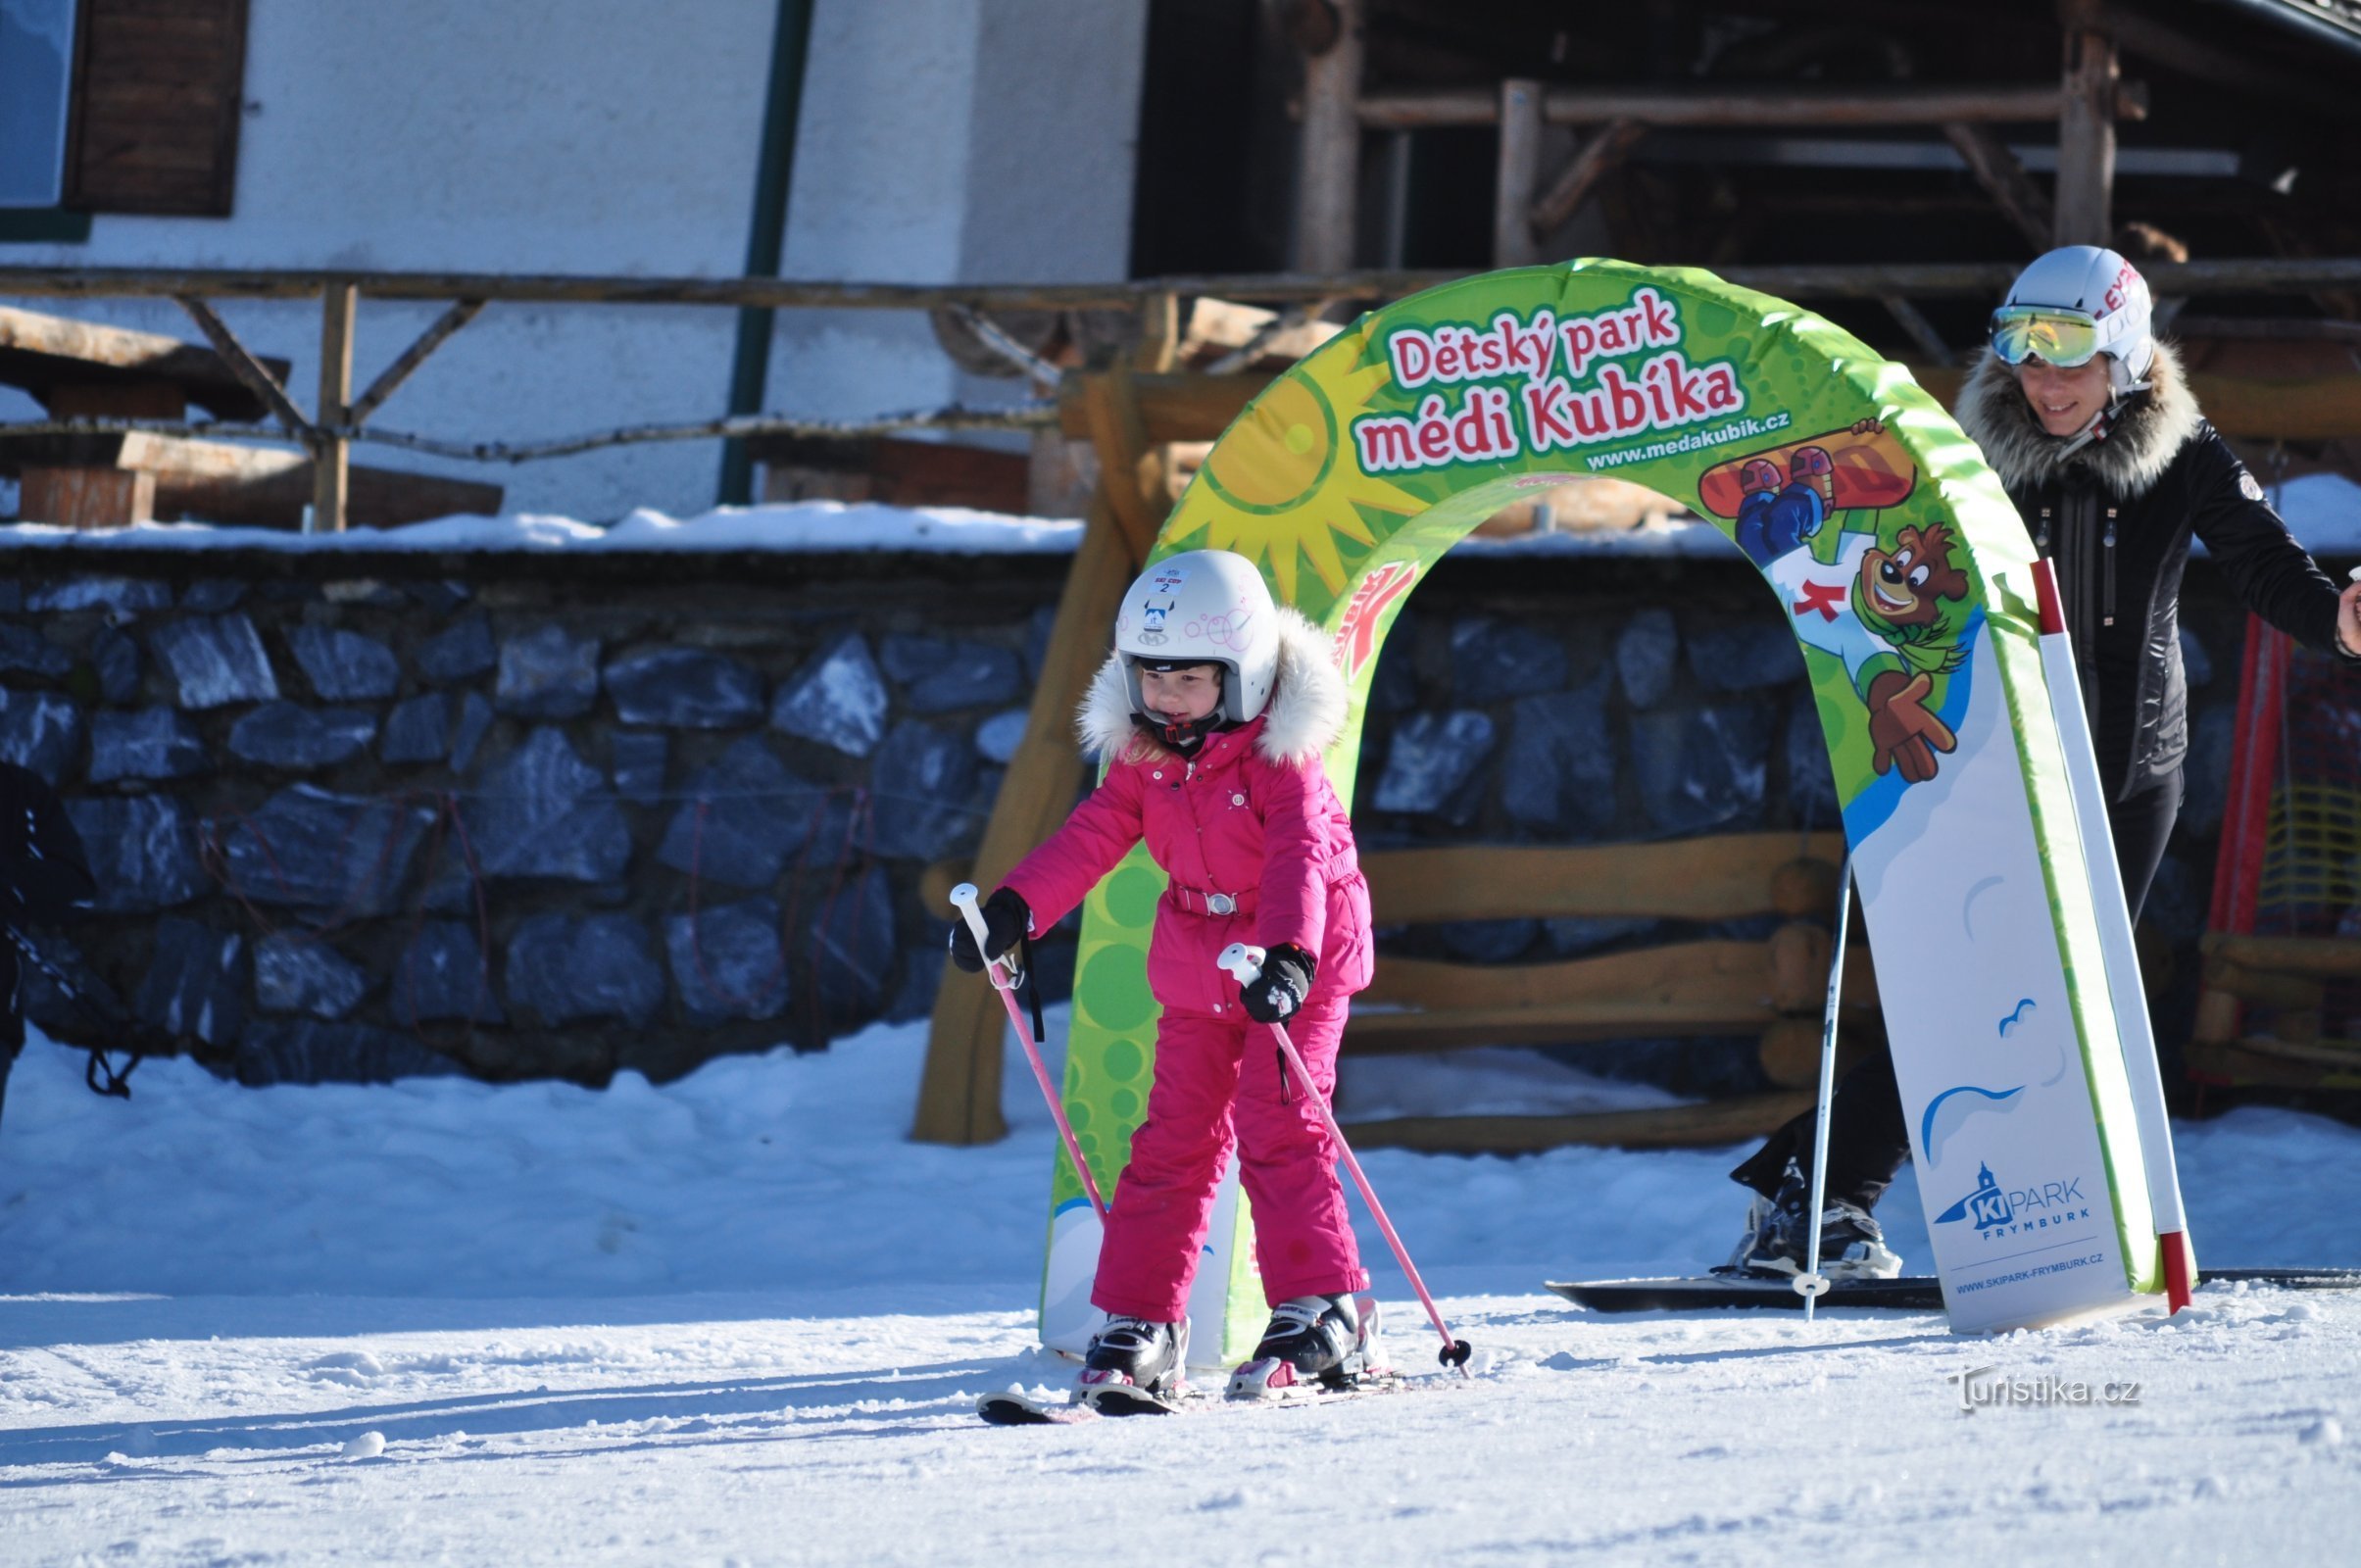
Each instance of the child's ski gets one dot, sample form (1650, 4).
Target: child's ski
(1017, 1407)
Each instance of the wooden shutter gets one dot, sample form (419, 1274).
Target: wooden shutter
(159, 90)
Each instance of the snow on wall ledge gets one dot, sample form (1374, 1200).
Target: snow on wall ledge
(2323, 511)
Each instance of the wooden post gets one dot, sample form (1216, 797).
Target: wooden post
(2085, 130)
(332, 455)
(1160, 335)
(1328, 165)
(1520, 170)
(958, 1095)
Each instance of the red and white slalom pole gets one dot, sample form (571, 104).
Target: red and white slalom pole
(1244, 966)
(2133, 1033)
(1006, 978)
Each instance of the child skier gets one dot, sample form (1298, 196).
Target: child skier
(1212, 716)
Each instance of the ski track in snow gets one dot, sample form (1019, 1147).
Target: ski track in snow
(623, 1328)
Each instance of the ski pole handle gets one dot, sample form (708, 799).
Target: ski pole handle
(963, 898)
(1243, 964)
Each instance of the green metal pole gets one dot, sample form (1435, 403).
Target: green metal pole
(775, 173)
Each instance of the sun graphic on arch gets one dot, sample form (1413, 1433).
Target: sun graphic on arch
(1282, 485)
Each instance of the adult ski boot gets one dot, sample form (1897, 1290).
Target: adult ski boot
(1313, 1342)
(1134, 1367)
(1852, 1245)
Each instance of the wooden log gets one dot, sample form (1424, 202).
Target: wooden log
(2327, 958)
(332, 456)
(1329, 149)
(1726, 877)
(2085, 177)
(2004, 179)
(1597, 157)
(86, 498)
(1128, 460)
(45, 354)
(1790, 1052)
(1160, 335)
(1919, 330)
(1863, 280)
(2273, 1064)
(1517, 171)
(1800, 960)
(1805, 889)
(2264, 987)
(1701, 1126)
(959, 1091)
(1916, 104)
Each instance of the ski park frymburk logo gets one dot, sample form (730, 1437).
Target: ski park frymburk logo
(2003, 1211)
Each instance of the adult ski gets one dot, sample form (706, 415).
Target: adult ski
(1916, 1292)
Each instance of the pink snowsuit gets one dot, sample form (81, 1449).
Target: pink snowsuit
(1271, 837)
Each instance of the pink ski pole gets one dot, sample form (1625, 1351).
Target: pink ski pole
(1244, 966)
(1004, 977)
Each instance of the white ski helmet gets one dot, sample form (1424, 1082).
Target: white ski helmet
(2075, 302)
(1204, 606)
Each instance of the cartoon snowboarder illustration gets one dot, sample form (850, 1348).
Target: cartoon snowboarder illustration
(1774, 518)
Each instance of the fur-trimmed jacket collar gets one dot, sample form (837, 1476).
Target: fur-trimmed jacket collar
(1303, 717)
(2139, 446)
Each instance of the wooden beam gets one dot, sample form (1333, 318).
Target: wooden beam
(1918, 279)
(332, 455)
(1160, 335)
(958, 1091)
(1329, 152)
(1724, 877)
(86, 498)
(1701, 1126)
(410, 358)
(2004, 179)
(1597, 157)
(1518, 171)
(2323, 408)
(243, 365)
(2086, 179)
(223, 481)
(2272, 1062)
(2326, 958)
(1172, 408)
(1917, 105)
(1129, 463)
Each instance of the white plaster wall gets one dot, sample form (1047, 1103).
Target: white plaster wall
(617, 136)
(973, 141)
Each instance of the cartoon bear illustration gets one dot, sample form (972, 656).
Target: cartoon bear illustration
(1898, 595)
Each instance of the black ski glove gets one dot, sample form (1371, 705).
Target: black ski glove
(1007, 919)
(1279, 990)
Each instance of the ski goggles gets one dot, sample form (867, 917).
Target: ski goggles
(2063, 338)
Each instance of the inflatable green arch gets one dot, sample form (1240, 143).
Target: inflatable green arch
(1907, 578)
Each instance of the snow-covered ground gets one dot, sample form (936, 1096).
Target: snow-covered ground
(741, 1320)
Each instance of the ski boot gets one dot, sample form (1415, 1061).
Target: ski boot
(1327, 1341)
(1134, 1367)
(1852, 1245)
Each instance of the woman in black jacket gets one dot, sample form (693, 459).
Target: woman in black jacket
(2093, 430)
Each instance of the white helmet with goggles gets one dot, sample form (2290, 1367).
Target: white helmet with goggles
(1204, 606)
(2073, 303)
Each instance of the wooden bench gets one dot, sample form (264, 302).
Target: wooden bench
(79, 369)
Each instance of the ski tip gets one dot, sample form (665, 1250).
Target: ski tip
(1013, 1407)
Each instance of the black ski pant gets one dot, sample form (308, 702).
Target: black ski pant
(1868, 1138)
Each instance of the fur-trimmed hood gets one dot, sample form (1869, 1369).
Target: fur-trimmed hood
(1303, 717)
(2139, 446)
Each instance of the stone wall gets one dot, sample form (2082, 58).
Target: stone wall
(523, 815)
(517, 816)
